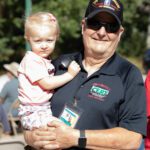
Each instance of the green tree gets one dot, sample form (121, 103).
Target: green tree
(11, 29)
(69, 14)
(135, 23)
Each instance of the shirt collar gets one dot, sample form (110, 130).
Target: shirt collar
(110, 67)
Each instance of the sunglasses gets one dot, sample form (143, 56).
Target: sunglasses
(97, 24)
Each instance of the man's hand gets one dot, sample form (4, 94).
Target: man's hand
(65, 136)
(38, 138)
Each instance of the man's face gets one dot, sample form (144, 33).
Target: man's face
(101, 41)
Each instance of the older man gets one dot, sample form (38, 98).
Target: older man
(104, 105)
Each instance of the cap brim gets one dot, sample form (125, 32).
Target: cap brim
(104, 10)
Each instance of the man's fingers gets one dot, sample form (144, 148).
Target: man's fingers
(46, 145)
(40, 144)
(55, 124)
(51, 146)
(44, 133)
(51, 129)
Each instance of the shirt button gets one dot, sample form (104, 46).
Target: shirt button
(82, 86)
(83, 76)
(78, 99)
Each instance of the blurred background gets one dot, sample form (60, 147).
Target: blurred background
(135, 41)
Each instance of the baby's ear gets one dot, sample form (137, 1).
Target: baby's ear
(26, 38)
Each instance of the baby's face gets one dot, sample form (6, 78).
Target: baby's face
(42, 39)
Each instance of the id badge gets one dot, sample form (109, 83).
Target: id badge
(70, 114)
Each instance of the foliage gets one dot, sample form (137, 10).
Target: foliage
(135, 23)
(69, 14)
(11, 29)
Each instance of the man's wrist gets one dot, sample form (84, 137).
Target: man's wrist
(74, 137)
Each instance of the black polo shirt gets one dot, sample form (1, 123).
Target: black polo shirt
(114, 96)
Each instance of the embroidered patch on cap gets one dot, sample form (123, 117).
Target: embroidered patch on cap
(111, 4)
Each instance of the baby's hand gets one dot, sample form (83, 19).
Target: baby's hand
(73, 68)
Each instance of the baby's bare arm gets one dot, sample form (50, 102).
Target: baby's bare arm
(49, 83)
(73, 69)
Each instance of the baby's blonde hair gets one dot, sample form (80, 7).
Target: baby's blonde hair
(41, 18)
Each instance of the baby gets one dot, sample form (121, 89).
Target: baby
(36, 73)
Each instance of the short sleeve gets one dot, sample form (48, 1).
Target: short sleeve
(132, 110)
(33, 67)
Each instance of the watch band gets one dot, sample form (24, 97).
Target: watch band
(82, 139)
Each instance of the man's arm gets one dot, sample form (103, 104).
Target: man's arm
(115, 138)
(61, 136)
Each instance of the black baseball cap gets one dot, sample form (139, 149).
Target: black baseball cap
(113, 7)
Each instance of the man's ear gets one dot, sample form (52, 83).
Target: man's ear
(121, 31)
(83, 25)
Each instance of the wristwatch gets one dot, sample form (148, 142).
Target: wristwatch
(82, 139)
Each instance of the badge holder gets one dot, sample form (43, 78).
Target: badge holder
(70, 114)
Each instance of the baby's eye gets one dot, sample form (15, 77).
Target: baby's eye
(37, 41)
(50, 40)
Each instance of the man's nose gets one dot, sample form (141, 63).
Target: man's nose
(102, 31)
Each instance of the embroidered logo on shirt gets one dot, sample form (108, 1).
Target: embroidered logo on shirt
(99, 91)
